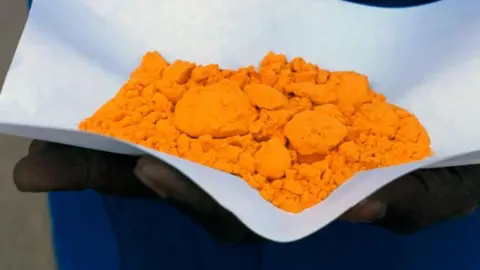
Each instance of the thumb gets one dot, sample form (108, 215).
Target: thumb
(367, 211)
(170, 183)
(55, 167)
(192, 201)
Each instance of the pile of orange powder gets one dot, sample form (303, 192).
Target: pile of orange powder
(291, 130)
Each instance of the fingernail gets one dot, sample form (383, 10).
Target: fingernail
(368, 211)
(161, 172)
(163, 179)
(144, 174)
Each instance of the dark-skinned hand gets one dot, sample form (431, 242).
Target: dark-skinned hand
(407, 205)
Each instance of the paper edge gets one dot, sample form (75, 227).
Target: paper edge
(133, 149)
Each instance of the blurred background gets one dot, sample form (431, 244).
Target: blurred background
(24, 222)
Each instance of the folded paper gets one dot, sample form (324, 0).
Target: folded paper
(74, 55)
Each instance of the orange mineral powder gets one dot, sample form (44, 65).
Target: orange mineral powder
(291, 130)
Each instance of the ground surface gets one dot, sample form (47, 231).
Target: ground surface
(24, 222)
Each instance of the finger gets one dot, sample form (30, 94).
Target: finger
(37, 146)
(192, 201)
(425, 197)
(392, 206)
(54, 167)
(395, 207)
(366, 211)
(168, 182)
(407, 199)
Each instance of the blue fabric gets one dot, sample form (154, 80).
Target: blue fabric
(392, 3)
(92, 231)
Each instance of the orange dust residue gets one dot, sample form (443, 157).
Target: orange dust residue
(291, 130)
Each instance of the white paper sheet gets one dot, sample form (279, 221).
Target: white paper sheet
(74, 55)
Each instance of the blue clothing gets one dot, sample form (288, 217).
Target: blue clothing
(93, 231)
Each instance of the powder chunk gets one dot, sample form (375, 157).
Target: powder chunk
(318, 94)
(269, 123)
(350, 151)
(153, 62)
(294, 187)
(332, 110)
(312, 132)
(378, 118)
(274, 61)
(171, 90)
(291, 130)
(298, 104)
(273, 159)
(178, 72)
(204, 72)
(220, 110)
(351, 89)
(265, 97)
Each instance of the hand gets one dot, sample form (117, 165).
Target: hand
(422, 198)
(407, 205)
(54, 167)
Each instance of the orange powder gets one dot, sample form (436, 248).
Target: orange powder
(291, 130)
